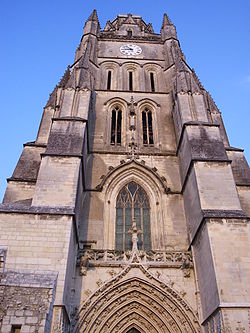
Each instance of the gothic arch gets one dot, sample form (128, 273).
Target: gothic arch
(154, 186)
(144, 303)
(153, 107)
(108, 63)
(148, 100)
(109, 106)
(120, 100)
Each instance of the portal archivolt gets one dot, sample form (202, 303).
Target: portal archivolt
(139, 305)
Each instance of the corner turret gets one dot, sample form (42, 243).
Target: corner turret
(168, 29)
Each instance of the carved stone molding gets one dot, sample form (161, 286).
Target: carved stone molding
(110, 35)
(142, 164)
(146, 303)
(109, 258)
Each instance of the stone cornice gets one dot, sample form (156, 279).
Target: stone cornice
(112, 37)
(19, 209)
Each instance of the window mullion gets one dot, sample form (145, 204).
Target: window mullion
(124, 229)
(142, 234)
(116, 120)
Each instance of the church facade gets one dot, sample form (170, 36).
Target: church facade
(130, 210)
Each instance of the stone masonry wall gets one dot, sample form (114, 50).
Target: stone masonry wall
(26, 299)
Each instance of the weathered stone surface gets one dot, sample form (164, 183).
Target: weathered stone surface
(26, 299)
(130, 210)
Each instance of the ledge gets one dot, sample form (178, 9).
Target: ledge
(22, 180)
(83, 120)
(234, 149)
(46, 210)
(61, 155)
(34, 144)
(217, 214)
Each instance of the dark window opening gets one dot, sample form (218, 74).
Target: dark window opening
(152, 82)
(132, 203)
(147, 128)
(130, 81)
(133, 330)
(109, 81)
(16, 329)
(116, 126)
(129, 33)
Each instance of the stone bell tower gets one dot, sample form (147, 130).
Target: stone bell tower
(130, 210)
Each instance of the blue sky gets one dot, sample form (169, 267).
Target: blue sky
(38, 40)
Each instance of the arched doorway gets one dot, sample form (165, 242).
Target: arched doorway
(136, 305)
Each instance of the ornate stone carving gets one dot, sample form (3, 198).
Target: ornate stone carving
(141, 163)
(240, 328)
(84, 264)
(117, 304)
(109, 258)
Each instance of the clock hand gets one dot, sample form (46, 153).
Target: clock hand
(128, 48)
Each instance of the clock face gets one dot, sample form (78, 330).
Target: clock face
(130, 49)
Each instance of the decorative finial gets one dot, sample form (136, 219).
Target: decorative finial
(166, 21)
(93, 16)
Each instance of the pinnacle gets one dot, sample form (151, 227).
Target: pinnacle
(93, 16)
(166, 21)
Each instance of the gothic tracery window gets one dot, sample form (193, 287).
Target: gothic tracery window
(116, 126)
(147, 127)
(132, 203)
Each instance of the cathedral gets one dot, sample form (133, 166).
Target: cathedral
(129, 213)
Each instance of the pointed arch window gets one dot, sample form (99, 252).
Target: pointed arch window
(147, 127)
(132, 203)
(116, 126)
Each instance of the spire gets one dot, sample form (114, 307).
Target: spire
(93, 16)
(168, 29)
(166, 21)
(65, 78)
(92, 24)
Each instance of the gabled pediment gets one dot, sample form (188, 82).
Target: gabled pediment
(136, 164)
(129, 19)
